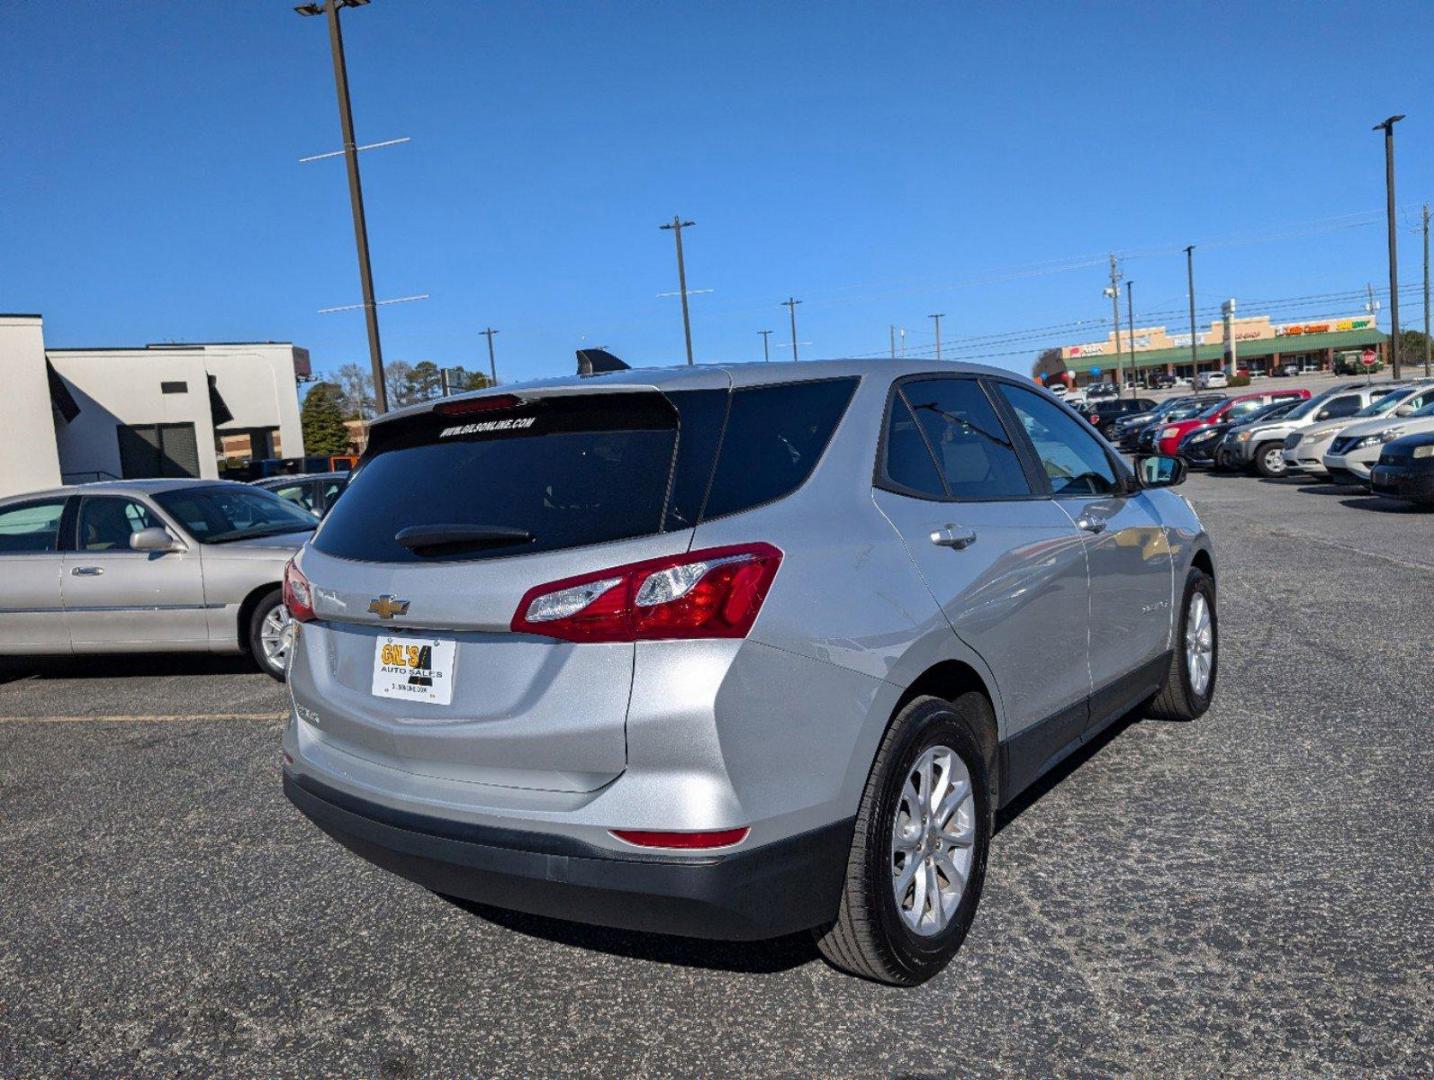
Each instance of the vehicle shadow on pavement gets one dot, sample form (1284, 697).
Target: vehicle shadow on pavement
(123, 666)
(746, 957)
(1379, 504)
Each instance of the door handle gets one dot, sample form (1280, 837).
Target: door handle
(88, 571)
(953, 536)
(1091, 523)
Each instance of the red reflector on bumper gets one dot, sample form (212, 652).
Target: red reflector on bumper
(685, 840)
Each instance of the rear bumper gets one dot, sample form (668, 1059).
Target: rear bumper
(778, 888)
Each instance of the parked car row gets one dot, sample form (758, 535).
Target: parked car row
(1341, 435)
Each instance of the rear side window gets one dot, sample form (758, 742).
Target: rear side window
(1340, 407)
(31, 529)
(774, 436)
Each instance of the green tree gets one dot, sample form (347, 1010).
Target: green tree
(427, 381)
(322, 419)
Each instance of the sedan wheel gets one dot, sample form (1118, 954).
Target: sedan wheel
(1270, 460)
(271, 635)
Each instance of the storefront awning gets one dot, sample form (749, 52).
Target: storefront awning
(1255, 348)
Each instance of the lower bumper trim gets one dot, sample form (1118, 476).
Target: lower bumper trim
(775, 889)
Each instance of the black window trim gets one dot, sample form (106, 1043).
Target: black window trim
(1124, 477)
(882, 480)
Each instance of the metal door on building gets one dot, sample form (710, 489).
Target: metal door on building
(150, 450)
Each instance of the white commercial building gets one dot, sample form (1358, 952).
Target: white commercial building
(73, 415)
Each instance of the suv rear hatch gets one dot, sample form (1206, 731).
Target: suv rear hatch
(457, 513)
(453, 516)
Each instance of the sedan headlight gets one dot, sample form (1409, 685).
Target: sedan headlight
(1243, 436)
(1424, 451)
(1169, 433)
(1390, 435)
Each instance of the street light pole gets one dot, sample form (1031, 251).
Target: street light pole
(1190, 286)
(791, 305)
(937, 320)
(492, 363)
(346, 122)
(677, 225)
(1426, 290)
(1387, 127)
(1113, 291)
(766, 354)
(1130, 325)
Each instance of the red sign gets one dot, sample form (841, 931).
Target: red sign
(1367, 358)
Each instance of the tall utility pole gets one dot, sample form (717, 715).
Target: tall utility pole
(937, 320)
(1426, 290)
(677, 225)
(492, 363)
(790, 303)
(346, 122)
(766, 334)
(892, 328)
(1130, 324)
(1113, 291)
(1190, 286)
(1387, 126)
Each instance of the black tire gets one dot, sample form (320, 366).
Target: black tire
(1177, 699)
(1270, 461)
(267, 603)
(869, 938)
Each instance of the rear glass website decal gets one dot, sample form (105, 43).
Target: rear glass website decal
(516, 423)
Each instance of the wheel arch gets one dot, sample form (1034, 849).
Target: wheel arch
(948, 680)
(246, 611)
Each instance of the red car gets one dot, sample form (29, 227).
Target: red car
(1228, 410)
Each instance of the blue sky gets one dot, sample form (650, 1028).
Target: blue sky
(878, 161)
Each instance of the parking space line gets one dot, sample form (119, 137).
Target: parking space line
(133, 719)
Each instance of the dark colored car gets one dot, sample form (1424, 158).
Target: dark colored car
(1104, 414)
(1406, 469)
(315, 492)
(1201, 446)
(1141, 435)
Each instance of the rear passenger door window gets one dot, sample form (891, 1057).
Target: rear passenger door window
(31, 529)
(1073, 460)
(944, 439)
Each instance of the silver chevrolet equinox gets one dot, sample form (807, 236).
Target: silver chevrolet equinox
(733, 652)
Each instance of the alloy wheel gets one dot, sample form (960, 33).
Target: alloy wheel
(276, 637)
(933, 837)
(1199, 644)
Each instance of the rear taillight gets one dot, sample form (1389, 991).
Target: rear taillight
(298, 596)
(714, 593)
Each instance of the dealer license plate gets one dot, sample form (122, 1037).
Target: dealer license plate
(413, 669)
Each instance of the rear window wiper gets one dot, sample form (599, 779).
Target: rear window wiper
(453, 539)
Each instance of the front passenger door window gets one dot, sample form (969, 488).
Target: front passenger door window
(1074, 463)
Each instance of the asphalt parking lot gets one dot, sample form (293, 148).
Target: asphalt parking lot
(1246, 895)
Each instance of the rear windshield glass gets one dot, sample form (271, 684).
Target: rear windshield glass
(564, 472)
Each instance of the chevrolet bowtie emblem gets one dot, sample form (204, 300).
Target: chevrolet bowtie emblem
(386, 607)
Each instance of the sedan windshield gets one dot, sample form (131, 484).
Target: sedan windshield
(220, 514)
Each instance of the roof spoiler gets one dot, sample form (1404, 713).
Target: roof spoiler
(598, 362)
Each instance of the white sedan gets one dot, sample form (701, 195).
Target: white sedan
(1356, 450)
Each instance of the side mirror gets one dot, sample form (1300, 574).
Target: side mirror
(1323, 414)
(1404, 410)
(1159, 470)
(152, 539)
